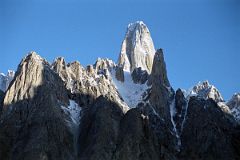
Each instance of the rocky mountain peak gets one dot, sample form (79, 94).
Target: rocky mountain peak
(107, 111)
(162, 93)
(137, 48)
(6, 79)
(159, 71)
(33, 56)
(206, 90)
(234, 101)
(102, 65)
(234, 106)
(59, 61)
(28, 77)
(10, 73)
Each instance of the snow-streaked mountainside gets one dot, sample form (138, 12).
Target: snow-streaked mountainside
(206, 91)
(113, 111)
(130, 92)
(234, 105)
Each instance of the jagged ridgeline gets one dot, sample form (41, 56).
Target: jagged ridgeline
(113, 111)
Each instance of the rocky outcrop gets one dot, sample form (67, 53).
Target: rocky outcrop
(145, 137)
(234, 101)
(100, 130)
(106, 111)
(236, 141)
(137, 48)
(102, 66)
(139, 76)
(33, 125)
(86, 85)
(161, 94)
(207, 132)
(106, 133)
(119, 74)
(234, 106)
(180, 110)
(158, 101)
(138, 142)
(1, 96)
(206, 91)
(1, 101)
(5, 80)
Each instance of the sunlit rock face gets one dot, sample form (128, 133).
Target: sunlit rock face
(33, 123)
(137, 48)
(107, 111)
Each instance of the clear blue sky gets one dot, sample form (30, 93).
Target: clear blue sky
(201, 38)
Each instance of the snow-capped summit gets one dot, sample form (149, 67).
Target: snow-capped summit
(234, 101)
(33, 56)
(66, 108)
(234, 106)
(6, 79)
(137, 48)
(205, 90)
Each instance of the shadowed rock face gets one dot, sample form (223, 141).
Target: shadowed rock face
(32, 123)
(34, 126)
(145, 137)
(64, 111)
(139, 76)
(1, 101)
(100, 130)
(181, 109)
(119, 74)
(138, 142)
(161, 94)
(207, 132)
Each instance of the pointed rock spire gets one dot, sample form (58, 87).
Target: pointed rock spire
(28, 76)
(159, 71)
(59, 66)
(32, 73)
(162, 93)
(137, 48)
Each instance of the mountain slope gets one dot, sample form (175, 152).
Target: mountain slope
(108, 111)
(33, 125)
(234, 106)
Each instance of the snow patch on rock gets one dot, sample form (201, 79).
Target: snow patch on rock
(234, 106)
(204, 90)
(73, 111)
(129, 91)
(172, 114)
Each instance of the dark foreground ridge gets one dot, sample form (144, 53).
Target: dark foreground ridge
(108, 111)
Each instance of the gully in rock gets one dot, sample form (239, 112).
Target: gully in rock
(113, 111)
